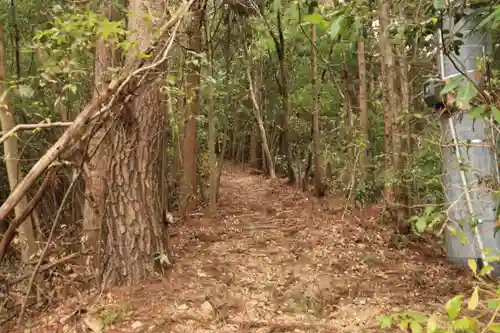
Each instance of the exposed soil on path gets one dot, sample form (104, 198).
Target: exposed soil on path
(277, 260)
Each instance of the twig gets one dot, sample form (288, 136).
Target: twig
(44, 268)
(46, 248)
(22, 127)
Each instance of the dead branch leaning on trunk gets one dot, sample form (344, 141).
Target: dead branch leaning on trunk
(11, 231)
(119, 90)
(23, 127)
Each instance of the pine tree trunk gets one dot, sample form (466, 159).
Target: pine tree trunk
(96, 178)
(137, 238)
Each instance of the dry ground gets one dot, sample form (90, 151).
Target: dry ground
(275, 260)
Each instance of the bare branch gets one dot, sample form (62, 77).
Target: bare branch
(23, 127)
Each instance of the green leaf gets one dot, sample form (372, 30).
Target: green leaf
(336, 25)
(314, 18)
(463, 238)
(432, 324)
(472, 265)
(415, 327)
(495, 112)
(385, 321)
(490, 17)
(493, 304)
(439, 4)
(485, 270)
(477, 112)
(494, 328)
(495, 230)
(474, 299)
(453, 307)
(452, 231)
(404, 324)
(452, 84)
(465, 94)
(421, 225)
(25, 91)
(462, 324)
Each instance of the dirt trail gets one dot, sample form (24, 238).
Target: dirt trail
(277, 260)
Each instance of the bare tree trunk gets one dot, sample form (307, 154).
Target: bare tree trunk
(260, 123)
(319, 186)
(192, 109)
(137, 235)
(96, 178)
(403, 124)
(11, 156)
(363, 107)
(212, 206)
(388, 96)
(283, 73)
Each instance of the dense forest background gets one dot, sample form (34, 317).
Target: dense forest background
(118, 119)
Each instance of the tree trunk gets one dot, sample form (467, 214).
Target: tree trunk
(96, 178)
(403, 126)
(363, 107)
(260, 123)
(192, 109)
(11, 156)
(212, 206)
(285, 132)
(137, 235)
(387, 70)
(319, 187)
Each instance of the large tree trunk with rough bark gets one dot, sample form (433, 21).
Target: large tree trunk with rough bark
(96, 178)
(137, 236)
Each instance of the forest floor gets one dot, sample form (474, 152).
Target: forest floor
(276, 260)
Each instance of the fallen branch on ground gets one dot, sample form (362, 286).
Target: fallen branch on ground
(44, 268)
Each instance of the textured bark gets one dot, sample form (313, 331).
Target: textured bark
(363, 106)
(11, 156)
(403, 127)
(96, 178)
(319, 187)
(388, 96)
(192, 109)
(134, 214)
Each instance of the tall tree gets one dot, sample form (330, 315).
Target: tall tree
(134, 214)
(192, 107)
(11, 156)
(388, 78)
(319, 187)
(97, 167)
(363, 105)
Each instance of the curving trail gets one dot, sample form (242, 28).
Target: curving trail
(278, 260)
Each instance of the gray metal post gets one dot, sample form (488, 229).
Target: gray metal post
(469, 161)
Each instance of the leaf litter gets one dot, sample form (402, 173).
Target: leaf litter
(275, 259)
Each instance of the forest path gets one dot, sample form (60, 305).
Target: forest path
(279, 260)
